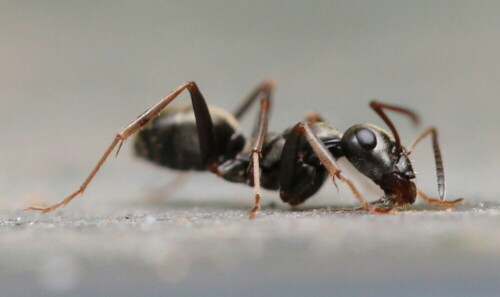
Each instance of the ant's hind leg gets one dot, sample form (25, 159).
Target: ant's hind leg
(204, 127)
(168, 189)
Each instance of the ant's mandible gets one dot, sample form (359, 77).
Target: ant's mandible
(296, 162)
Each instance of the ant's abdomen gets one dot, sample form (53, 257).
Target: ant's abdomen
(171, 139)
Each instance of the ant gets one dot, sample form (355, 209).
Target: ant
(296, 162)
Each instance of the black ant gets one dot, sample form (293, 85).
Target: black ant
(295, 162)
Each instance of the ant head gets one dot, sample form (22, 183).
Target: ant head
(381, 157)
(375, 153)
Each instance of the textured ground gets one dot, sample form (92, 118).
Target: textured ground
(215, 250)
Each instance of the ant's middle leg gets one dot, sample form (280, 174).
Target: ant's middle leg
(204, 126)
(264, 93)
(265, 86)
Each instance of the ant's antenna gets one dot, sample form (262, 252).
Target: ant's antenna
(379, 109)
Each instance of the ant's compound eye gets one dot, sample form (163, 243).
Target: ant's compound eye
(366, 138)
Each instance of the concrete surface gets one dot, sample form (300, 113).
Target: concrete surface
(215, 250)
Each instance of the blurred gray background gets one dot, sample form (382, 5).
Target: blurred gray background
(73, 73)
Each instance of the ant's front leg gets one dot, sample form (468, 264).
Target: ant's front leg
(384, 205)
(439, 169)
(437, 158)
(204, 128)
(327, 160)
(429, 200)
